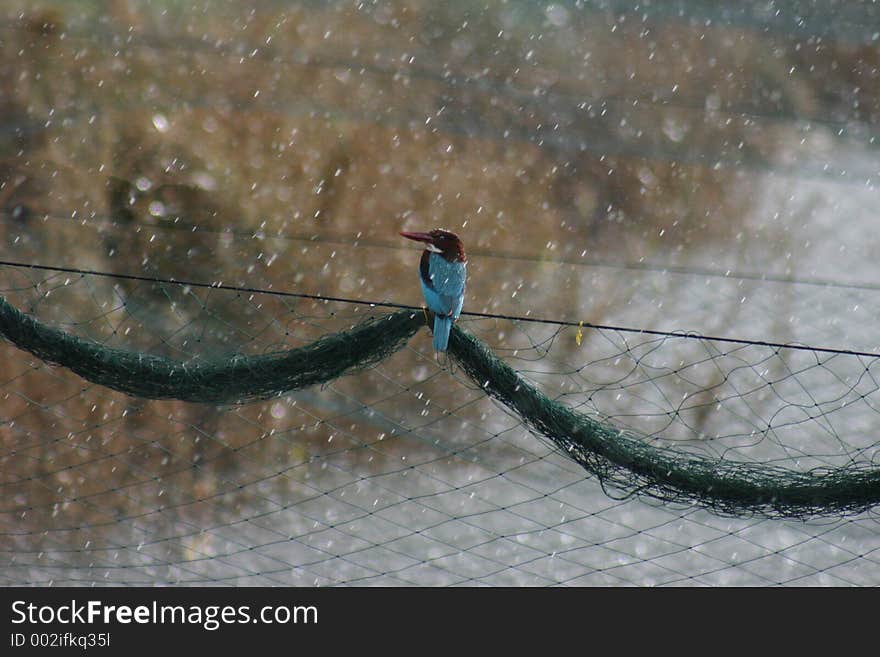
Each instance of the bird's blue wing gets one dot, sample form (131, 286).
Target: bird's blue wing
(454, 303)
(444, 289)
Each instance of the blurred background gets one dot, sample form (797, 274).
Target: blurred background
(672, 166)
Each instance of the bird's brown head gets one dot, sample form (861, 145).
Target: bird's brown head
(444, 242)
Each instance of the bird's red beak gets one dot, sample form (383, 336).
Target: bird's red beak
(418, 237)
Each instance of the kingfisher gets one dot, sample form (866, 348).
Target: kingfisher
(443, 273)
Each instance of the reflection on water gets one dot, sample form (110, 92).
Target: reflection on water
(641, 170)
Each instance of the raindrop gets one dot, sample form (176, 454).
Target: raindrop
(557, 15)
(674, 130)
(157, 209)
(160, 123)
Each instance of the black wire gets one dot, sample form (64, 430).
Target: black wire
(653, 267)
(689, 335)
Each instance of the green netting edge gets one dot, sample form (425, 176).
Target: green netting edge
(620, 460)
(231, 380)
(627, 462)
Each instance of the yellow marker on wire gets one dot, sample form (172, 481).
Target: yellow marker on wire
(580, 334)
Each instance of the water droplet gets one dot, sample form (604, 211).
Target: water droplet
(557, 15)
(674, 130)
(160, 123)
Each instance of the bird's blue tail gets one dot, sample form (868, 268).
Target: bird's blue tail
(442, 326)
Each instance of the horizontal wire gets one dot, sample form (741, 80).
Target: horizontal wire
(689, 335)
(644, 266)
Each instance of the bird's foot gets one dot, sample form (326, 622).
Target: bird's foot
(444, 361)
(429, 317)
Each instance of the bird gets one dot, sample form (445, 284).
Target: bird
(443, 274)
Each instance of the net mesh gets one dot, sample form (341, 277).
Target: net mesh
(408, 473)
(198, 202)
